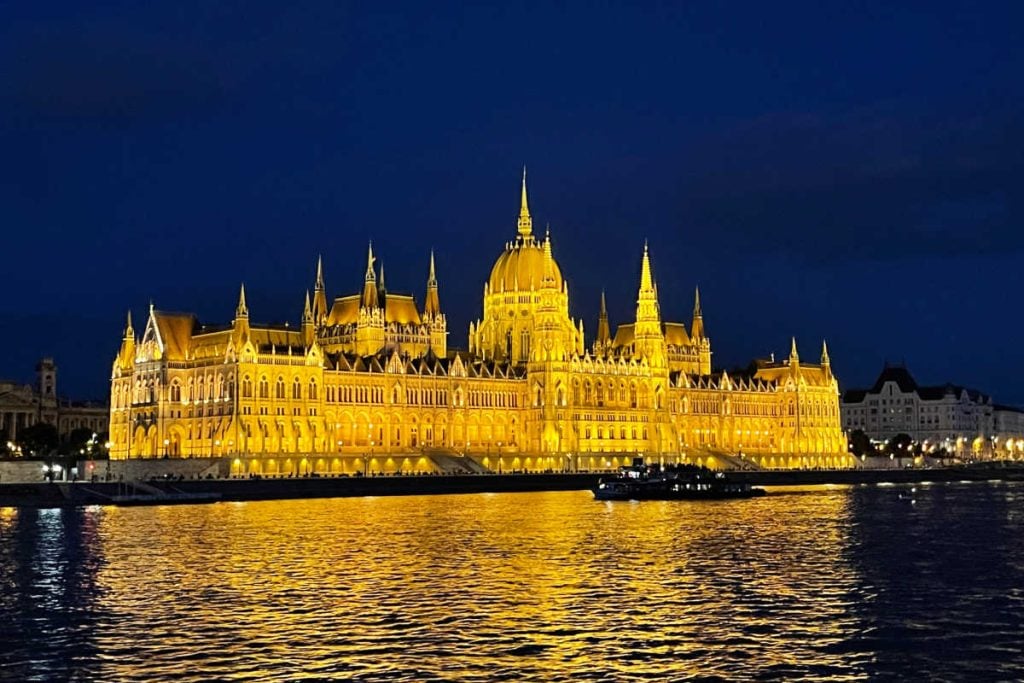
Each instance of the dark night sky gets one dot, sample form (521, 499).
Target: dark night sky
(850, 171)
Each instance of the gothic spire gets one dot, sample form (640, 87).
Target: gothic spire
(241, 311)
(794, 357)
(370, 276)
(825, 360)
(604, 335)
(525, 222)
(129, 331)
(697, 328)
(432, 304)
(370, 298)
(319, 309)
(646, 282)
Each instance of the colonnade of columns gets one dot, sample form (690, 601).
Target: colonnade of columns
(13, 420)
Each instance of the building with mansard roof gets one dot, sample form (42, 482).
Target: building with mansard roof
(965, 422)
(366, 383)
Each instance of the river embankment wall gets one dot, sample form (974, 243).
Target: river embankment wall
(44, 494)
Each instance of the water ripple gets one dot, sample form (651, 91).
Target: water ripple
(805, 584)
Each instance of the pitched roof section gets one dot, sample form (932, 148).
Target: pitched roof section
(176, 330)
(898, 374)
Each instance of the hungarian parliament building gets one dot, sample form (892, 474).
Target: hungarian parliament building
(366, 384)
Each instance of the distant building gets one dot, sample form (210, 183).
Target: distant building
(949, 416)
(23, 405)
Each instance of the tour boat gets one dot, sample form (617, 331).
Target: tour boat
(675, 482)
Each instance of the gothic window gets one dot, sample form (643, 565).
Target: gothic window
(264, 387)
(632, 396)
(191, 391)
(247, 387)
(312, 390)
(296, 389)
(175, 392)
(279, 388)
(524, 345)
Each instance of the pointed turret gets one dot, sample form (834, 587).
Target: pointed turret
(549, 261)
(826, 362)
(794, 356)
(319, 309)
(646, 281)
(649, 340)
(241, 310)
(525, 222)
(369, 299)
(308, 327)
(432, 303)
(604, 333)
(697, 329)
(126, 355)
(382, 290)
(241, 324)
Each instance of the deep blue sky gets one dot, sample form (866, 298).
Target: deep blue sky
(852, 171)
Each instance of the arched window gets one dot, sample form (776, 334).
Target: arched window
(279, 388)
(312, 390)
(175, 392)
(264, 387)
(247, 387)
(296, 389)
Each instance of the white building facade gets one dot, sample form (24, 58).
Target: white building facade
(963, 421)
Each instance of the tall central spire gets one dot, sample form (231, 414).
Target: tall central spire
(525, 222)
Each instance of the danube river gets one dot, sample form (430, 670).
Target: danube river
(839, 583)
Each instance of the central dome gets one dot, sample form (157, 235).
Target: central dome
(522, 267)
(524, 263)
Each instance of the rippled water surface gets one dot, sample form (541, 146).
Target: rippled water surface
(837, 583)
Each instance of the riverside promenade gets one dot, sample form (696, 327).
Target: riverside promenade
(172, 491)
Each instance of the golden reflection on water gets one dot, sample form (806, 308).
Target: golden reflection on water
(478, 587)
(537, 586)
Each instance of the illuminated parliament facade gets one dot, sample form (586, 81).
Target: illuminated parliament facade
(366, 383)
